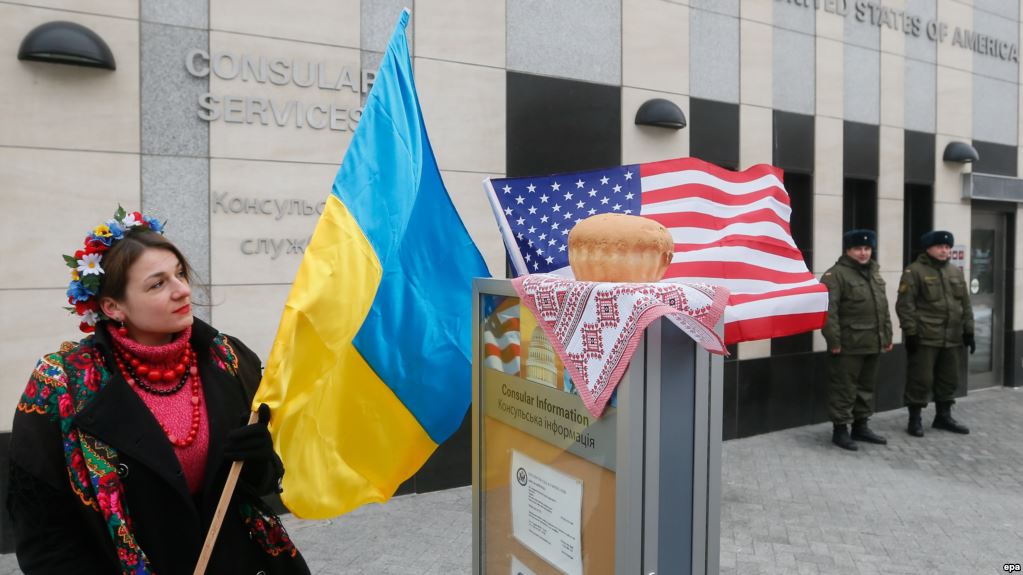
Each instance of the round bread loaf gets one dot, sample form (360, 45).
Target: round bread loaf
(619, 248)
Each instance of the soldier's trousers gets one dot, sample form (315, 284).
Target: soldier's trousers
(851, 387)
(932, 368)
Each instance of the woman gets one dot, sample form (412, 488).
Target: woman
(122, 442)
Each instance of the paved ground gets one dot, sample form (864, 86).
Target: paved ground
(428, 534)
(791, 504)
(945, 503)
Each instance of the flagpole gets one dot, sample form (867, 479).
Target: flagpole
(506, 232)
(218, 515)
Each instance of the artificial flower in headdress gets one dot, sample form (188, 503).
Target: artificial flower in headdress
(86, 265)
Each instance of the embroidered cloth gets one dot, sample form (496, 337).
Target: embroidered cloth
(595, 327)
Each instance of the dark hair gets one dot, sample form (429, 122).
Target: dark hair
(125, 252)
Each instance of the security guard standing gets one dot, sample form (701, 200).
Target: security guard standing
(937, 320)
(858, 330)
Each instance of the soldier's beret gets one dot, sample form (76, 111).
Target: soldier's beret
(855, 238)
(937, 237)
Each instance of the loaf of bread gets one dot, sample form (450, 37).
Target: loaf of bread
(619, 248)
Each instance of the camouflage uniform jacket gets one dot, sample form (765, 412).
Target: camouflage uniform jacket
(933, 303)
(858, 317)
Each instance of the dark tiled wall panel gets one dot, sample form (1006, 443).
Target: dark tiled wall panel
(557, 125)
(995, 159)
(714, 132)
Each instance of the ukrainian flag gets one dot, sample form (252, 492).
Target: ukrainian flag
(371, 366)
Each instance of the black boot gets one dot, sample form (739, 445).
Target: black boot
(840, 437)
(862, 432)
(943, 419)
(916, 426)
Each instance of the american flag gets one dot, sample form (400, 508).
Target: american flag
(730, 229)
(501, 338)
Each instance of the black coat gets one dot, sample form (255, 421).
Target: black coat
(56, 533)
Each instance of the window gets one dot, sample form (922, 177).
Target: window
(917, 218)
(859, 204)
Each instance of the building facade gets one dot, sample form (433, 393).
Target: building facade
(228, 119)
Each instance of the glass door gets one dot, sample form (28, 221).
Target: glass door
(987, 294)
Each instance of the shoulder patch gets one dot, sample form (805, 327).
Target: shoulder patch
(903, 287)
(826, 274)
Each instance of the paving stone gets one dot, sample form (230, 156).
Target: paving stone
(943, 503)
(791, 504)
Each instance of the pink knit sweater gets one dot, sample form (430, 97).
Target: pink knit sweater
(174, 411)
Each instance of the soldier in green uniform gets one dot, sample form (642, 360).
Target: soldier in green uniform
(937, 320)
(858, 331)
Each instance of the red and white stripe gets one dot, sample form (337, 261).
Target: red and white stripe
(501, 338)
(732, 229)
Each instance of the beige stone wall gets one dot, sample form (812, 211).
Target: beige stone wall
(756, 120)
(70, 144)
(69, 152)
(266, 180)
(890, 182)
(954, 121)
(890, 205)
(460, 79)
(655, 64)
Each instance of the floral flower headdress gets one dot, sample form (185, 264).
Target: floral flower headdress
(86, 270)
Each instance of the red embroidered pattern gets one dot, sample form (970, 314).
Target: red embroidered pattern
(607, 309)
(595, 327)
(593, 344)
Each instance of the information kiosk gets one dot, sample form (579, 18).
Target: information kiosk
(557, 490)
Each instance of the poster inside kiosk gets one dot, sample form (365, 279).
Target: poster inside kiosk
(558, 490)
(546, 510)
(519, 568)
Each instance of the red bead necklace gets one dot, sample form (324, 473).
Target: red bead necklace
(143, 376)
(147, 376)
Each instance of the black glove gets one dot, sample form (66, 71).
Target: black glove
(253, 444)
(969, 342)
(912, 343)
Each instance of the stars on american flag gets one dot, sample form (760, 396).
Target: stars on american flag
(541, 225)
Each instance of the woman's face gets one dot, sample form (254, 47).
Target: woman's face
(157, 299)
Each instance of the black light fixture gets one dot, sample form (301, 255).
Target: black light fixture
(62, 42)
(960, 152)
(661, 113)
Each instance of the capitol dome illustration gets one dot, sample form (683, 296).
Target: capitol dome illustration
(541, 366)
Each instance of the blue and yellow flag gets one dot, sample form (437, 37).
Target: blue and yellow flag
(371, 366)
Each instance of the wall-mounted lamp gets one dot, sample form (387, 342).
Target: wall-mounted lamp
(661, 113)
(960, 152)
(66, 43)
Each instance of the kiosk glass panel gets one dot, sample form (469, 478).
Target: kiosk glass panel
(547, 491)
